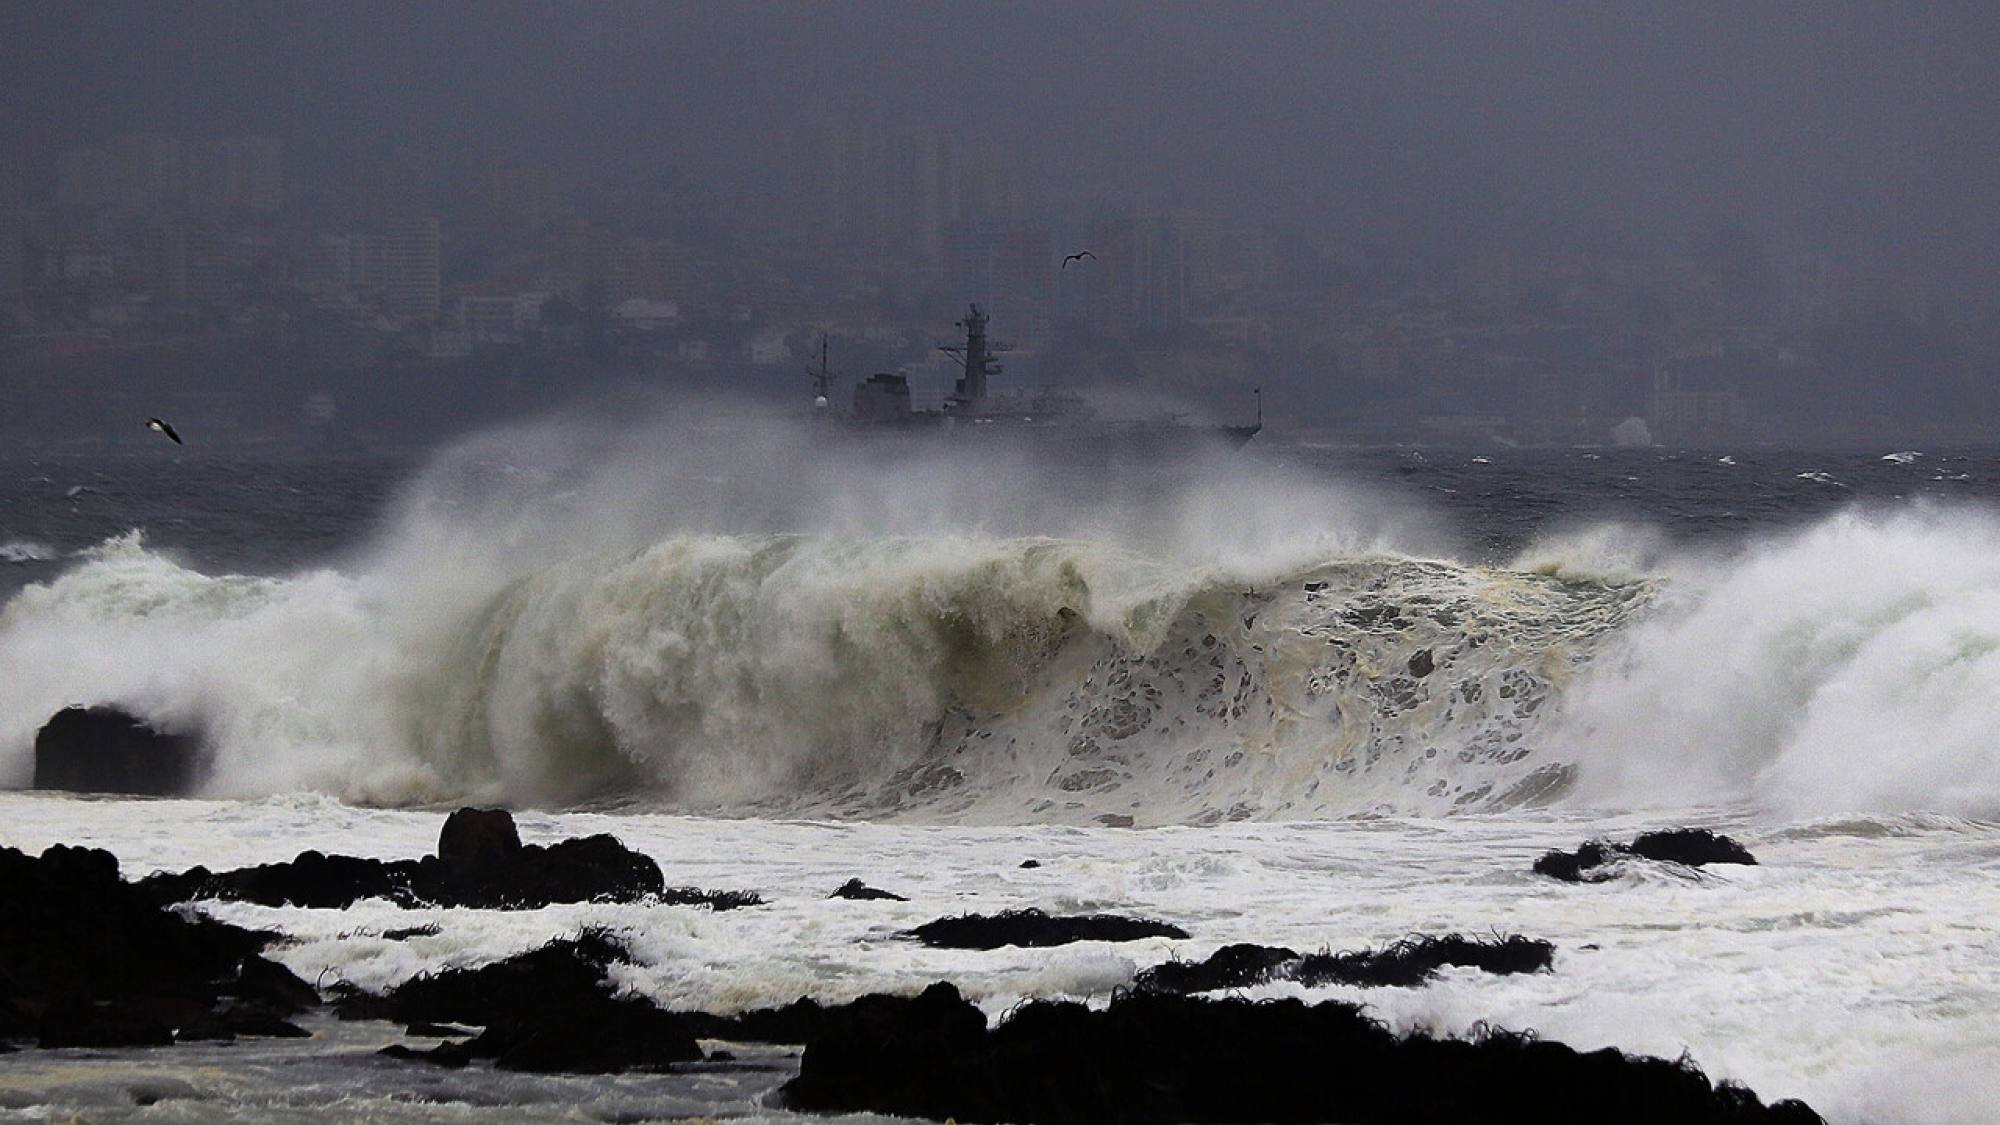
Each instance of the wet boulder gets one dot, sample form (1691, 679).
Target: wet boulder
(1692, 847)
(478, 844)
(70, 1022)
(90, 960)
(797, 1022)
(1695, 847)
(111, 750)
(1150, 1057)
(1407, 963)
(481, 863)
(549, 1010)
(856, 889)
(1415, 960)
(1233, 966)
(1033, 928)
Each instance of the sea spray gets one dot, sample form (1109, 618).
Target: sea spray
(932, 677)
(1851, 666)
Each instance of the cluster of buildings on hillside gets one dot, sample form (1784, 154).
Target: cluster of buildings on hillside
(877, 238)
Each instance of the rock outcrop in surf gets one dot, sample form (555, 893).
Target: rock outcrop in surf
(1407, 963)
(1151, 1057)
(88, 960)
(481, 863)
(1596, 861)
(108, 749)
(1035, 929)
(548, 1010)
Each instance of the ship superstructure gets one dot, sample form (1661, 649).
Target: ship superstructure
(885, 399)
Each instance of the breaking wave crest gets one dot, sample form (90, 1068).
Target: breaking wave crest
(1234, 644)
(959, 677)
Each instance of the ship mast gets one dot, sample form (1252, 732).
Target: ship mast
(822, 378)
(976, 359)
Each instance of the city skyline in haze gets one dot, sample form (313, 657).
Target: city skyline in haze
(1526, 220)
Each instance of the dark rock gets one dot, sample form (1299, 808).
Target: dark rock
(1570, 867)
(842, 1065)
(101, 1023)
(546, 1010)
(207, 1029)
(856, 889)
(1034, 928)
(90, 960)
(1422, 663)
(477, 842)
(714, 900)
(1030, 863)
(265, 982)
(1413, 961)
(1695, 847)
(796, 1022)
(1406, 963)
(605, 1036)
(429, 929)
(1151, 1057)
(247, 1020)
(1232, 966)
(590, 869)
(18, 1020)
(350, 1002)
(111, 750)
(487, 868)
(312, 879)
(559, 972)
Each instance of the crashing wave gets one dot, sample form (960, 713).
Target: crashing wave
(944, 677)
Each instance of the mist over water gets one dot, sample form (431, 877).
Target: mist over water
(702, 608)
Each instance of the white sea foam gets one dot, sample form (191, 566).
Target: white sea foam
(1851, 666)
(27, 550)
(1855, 951)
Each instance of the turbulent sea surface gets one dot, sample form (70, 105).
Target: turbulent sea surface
(1293, 695)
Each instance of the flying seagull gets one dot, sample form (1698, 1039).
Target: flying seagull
(1078, 256)
(156, 424)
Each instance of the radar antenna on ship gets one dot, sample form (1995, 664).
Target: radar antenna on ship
(975, 359)
(822, 379)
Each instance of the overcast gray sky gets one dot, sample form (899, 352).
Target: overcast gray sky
(1870, 129)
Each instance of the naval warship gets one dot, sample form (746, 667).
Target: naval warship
(883, 402)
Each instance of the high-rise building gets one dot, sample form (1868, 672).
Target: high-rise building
(354, 264)
(824, 166)
(989, 183)
(412, 273)
(1115, 281)
(149, 170)
(239, 174)
(652, 269)
(518, 197)
(13, 257)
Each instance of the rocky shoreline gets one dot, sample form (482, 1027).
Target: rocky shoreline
(89, 959)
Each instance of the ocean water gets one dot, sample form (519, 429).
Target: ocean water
(1289, 694)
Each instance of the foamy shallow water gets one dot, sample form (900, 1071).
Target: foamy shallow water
(1853, 968)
